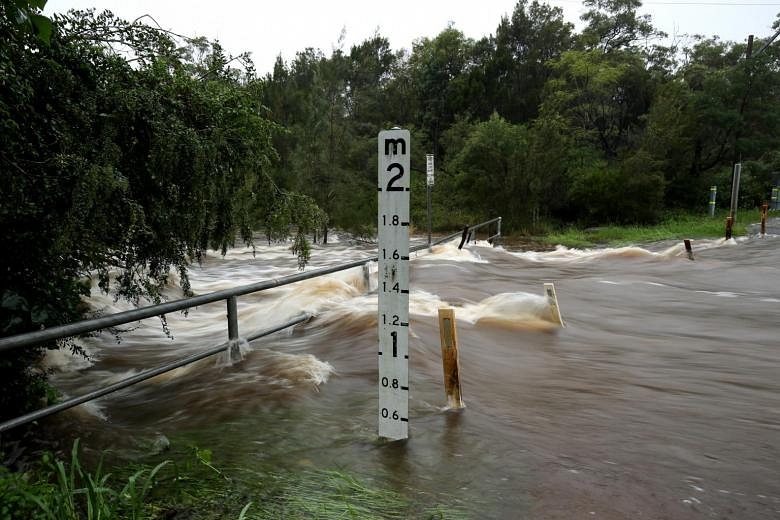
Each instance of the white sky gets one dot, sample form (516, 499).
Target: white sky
(267, 29)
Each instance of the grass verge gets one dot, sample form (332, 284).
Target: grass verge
(195, 488)
(673, 228)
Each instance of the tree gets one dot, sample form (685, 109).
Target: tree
(524, 45)
(436, 70)
(490, 172)
(602, 96)
(116, 171)
(615, 25)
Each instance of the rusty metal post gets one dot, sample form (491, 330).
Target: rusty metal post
(688, 249)
(729, 225)
(449, 358)
(735, 191)
(764, 210)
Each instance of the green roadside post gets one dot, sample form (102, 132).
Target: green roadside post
(713, 195)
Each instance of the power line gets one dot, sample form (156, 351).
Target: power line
(725, 4)
(730, 4)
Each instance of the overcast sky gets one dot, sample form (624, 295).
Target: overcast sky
(267, 29)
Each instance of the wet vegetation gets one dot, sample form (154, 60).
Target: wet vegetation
(192, 485)
(674, 227)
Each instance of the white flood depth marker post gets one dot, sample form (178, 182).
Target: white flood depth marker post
(393, 283)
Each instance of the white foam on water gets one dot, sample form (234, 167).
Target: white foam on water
(93, 409)
(513, 307)
(449, 251)
(563, 254)
(290, 370)
(721, 294)
(63, 360)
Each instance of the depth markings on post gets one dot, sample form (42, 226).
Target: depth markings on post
(393, 283)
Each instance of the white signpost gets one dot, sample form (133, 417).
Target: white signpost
(393, 283)
(429, 184)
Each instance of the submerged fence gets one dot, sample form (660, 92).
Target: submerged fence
(230, 296)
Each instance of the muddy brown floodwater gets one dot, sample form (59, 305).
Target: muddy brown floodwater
(659, 399)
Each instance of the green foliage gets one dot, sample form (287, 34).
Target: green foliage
(121, 169)
(489, 169)
(517, 67)
(26, 15)
(678, 226)
(62, 491)
(532, 123)
(614, 25)
(196, 487)
(335, 494)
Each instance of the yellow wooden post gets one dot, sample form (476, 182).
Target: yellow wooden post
(552, 300)
(449, 358)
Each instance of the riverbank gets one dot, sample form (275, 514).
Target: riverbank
(677, 227)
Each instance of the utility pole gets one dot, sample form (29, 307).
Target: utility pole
(735, 176)
(737, 154)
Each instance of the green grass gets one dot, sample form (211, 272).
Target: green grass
(61, 491)
(194, 487)
(335, 494)
(677, 227)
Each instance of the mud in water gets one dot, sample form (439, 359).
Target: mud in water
(660, 398)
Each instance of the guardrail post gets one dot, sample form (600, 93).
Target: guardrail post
(234, 351)
(449, 358)
(464, 236)
(366, 278)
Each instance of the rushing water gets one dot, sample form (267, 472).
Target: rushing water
(659, 399)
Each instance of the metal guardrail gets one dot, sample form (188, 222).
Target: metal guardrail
(143, 376)
(122, 318)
